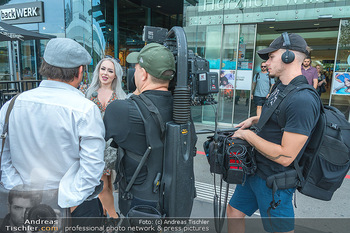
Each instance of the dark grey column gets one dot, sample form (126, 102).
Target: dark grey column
(116, 30)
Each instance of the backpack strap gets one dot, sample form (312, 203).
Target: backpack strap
(154, 112)
(298, 87)
(6, 127)
(280, 97)
(145, 101)
(144, 158)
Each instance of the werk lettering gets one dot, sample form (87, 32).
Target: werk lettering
(13, 13)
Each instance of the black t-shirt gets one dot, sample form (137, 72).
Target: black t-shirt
(124, 124)
(302, 111)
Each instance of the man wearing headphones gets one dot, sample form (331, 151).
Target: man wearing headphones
(276, 147)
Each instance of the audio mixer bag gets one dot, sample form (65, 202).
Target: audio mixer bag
(231, 157)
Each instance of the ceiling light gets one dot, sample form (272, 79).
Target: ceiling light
(325, 16)
(269, 20)
(159, 6)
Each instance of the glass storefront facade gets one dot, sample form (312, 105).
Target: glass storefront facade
(225, 32)
(103, 27)
(228, 34)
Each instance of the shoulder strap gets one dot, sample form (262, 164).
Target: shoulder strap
(5, 127)
(153, 109)
(280, 97)
(257, 76)
(159, 121)
(142, 162)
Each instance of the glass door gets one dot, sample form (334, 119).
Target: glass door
(236, 73)
(227, 74)
(213, 37)
(340, 89)
(243, 82)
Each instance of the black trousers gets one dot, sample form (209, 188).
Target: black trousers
(88, 214)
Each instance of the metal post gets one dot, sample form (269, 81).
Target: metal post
(11, 61)
(335, 63)
(19, 62)
(116, 28)
(236, 75)
(148, 17)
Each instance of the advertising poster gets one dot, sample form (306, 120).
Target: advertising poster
(227, 78)
(241, 52)
(244, 79)
(341, 83)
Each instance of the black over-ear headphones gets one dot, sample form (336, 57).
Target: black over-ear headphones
(287, 56)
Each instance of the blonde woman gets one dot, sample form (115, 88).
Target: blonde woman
(106, 86)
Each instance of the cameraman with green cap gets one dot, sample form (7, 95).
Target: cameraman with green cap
(154, 68)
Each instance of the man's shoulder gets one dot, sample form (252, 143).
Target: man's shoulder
(304, 97)
(120, 106)
(313, 68)
(120, 103)
(68, 99)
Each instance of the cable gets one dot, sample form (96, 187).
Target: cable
(240, 153)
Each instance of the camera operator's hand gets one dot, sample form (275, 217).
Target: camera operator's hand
(248, 123)
(240, 133)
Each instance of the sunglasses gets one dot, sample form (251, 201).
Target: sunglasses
(263, 66)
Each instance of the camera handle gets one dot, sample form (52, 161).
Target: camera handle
(182, 92)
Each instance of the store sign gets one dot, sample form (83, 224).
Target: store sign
(32, 12)
(212, 5)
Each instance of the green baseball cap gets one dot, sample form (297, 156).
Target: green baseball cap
(155, 59)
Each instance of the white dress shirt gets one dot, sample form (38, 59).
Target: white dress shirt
(55, 140)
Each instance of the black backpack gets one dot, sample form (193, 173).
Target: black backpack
(163, 183)
(321, 167)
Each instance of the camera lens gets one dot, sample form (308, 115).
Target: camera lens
(41, 216)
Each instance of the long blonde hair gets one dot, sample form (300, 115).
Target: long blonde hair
(116, 84)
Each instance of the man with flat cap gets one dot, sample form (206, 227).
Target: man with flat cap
(56, 135)
(154, 68)
(276, 147)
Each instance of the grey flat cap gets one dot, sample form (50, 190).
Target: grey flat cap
(66, 53)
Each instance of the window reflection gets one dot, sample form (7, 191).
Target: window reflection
(4, 62)
(78, 24)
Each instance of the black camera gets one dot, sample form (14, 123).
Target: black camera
(41, 215)
(202, 83)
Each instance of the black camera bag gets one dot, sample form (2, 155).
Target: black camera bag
(231, 157)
